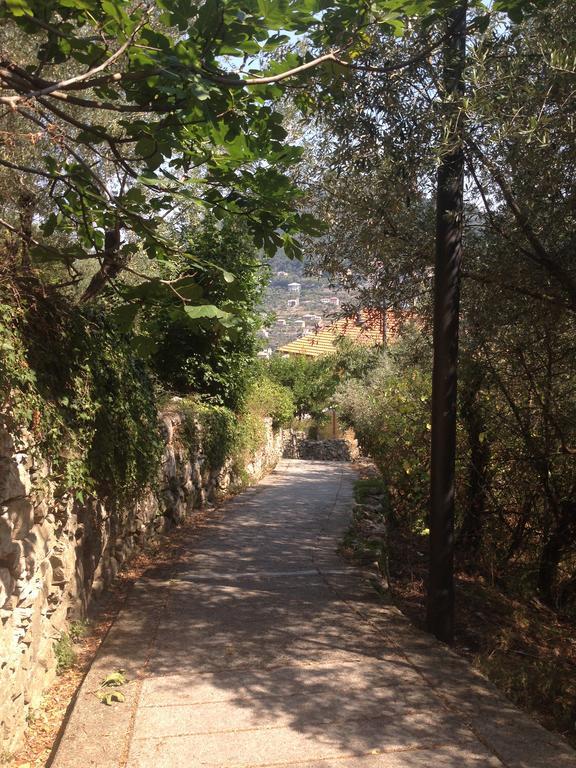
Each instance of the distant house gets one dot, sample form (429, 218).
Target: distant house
(368, 330)
(294, 287)
(293, 303)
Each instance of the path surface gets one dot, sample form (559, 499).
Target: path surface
(262, 648)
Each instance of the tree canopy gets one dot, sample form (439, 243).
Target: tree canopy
(118, 115)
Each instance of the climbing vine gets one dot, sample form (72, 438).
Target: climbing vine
(71, 386)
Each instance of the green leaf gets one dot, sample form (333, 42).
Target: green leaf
(83, 5)
(188, 288)
(114, 9)
(206, 311)
(144, 346)
(114, 679)
(110, 697)
(19, 8)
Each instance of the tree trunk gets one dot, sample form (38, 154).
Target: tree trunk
(561, 539)
(470, 538)
(449, 211)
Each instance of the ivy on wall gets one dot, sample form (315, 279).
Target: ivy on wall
(72, 381)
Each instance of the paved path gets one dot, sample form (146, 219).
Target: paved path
(262, 648)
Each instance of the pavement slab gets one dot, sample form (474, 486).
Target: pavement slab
(261, 647)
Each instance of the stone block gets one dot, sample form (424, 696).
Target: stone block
(6, 586)
(62, 562)
(6, 444)
(21, 514)
(40, 511)
(15, 480)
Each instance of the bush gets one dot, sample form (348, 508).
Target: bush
(268, 398)
(215, 427)
(227, 435)
(389, 411)
(313, 381)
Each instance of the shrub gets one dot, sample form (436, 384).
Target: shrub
(268, 398)
(311, 381)
(389, 411)
(219, 431)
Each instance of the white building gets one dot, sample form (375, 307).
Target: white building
(294, 287)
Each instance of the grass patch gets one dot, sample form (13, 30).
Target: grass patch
(365, 541)
(370, 486)
(79, 629)
(65, 653)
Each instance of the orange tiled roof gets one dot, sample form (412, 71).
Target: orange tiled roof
(324, 341)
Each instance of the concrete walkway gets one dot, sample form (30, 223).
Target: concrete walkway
(262, 648)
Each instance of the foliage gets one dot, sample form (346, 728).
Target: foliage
(367, 487)
(366, 540)
(78, 629)
(108, 692)
(147, 92)
(226, 436)
(120, 118)
(214, 427)
(389, 411)
(313, 381)
(214, 360)
(64, 652)
(300, 375)
(540, 680)
(73, 382)
(268, 398)
(375, 181)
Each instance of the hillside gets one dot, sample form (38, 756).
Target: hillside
(297, 302)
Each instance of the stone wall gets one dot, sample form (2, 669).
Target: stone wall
(57, 554)
(298, 446)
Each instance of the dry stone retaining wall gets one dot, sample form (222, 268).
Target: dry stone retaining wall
(57, 554)
(297, 446)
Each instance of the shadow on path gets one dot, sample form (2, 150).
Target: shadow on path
(261, 647)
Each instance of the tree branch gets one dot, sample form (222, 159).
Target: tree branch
(61, 84)
(540, 254)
